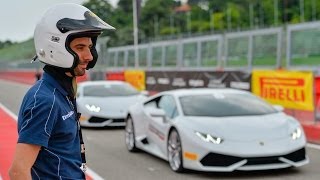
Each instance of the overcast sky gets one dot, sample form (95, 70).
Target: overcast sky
(18, 18)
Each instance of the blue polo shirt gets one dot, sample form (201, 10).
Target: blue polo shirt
(47, 118)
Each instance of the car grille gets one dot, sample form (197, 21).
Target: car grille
(214, 159)
(297, 155)
(263, 160)
(101, 120)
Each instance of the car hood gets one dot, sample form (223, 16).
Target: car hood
(113, 106)
(243, 128)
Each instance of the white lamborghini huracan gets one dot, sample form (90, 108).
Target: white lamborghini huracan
(215, 130)
(105, 103)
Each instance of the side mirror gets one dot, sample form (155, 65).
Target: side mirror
(279, 108)
(146, 93)
(157, 113)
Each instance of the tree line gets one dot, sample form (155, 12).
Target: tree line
(167, 19)
(160, 19)
(4, 44)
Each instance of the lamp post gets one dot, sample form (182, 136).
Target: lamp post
(251, 14)
(314, 10)
(156, 26)
(211, 20)
(102, 50)
(301, 10)
(135, 33)
(189, 22)
(275, 12)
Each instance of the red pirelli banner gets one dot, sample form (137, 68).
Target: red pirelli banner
(291, 89)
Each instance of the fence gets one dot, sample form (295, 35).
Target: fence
(303, 46)
(263, 48)
(292, 47)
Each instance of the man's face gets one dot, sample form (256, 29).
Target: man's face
(82, 47)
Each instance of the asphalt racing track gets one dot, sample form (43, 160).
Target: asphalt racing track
(108, 158)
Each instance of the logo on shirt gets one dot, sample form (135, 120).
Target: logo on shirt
(67, 115)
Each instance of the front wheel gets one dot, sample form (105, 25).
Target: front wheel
(175, 151)
(130, 136)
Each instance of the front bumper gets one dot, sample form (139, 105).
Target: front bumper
(102, 122)
(219, 162)
(243, 155)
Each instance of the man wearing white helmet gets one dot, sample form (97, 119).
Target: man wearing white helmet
(50, 144)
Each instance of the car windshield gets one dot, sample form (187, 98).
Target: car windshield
(107, 90)
(224, 104)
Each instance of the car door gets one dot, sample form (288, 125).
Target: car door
(158, 126)
(144, 117)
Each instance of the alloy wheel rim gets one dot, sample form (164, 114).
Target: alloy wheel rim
(174, 151)
(129, 135)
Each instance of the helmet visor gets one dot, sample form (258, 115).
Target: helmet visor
(91, 22)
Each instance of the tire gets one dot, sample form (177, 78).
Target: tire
(130, 136)
(174, 149)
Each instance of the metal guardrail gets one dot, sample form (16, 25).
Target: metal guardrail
(292, 47)
(263, 48)
(303, 46)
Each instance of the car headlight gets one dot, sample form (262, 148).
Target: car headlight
(93, 108)
(209, 138)
(296, 134)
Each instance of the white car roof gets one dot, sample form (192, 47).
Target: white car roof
(105, 82)
(197, 91)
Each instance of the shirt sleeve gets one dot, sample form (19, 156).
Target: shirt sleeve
(36, 120)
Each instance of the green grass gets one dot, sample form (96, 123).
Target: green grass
(265, 61)
(16, 52)
(209, 62)
(239, 62)
(309, 61)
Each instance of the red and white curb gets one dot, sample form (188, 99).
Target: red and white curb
(90, 174)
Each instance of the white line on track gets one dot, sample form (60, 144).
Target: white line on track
(94, 175)
(89, 172)
(13, 116)
(314, 146)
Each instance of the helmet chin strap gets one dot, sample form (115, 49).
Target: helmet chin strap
(72, 73)
(75, 64)
(69, 72)
(74, 81)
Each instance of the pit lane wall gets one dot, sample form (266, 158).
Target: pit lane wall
(28, 76)
(297, 91)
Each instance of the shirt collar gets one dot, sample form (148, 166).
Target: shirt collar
(48, 78)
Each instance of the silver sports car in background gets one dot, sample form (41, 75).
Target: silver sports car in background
(215, 130)
(105, 103)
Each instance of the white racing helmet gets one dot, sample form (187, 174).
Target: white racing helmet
(59, 26)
